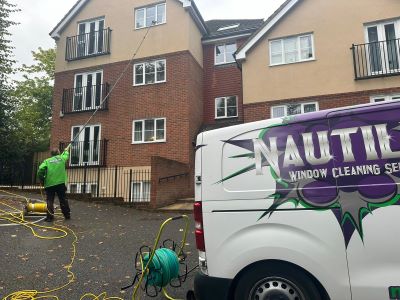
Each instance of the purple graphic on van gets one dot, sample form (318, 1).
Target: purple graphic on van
(347, 162)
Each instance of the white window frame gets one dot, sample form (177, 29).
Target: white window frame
(79, 187)
(87, 31)
(141, 198)
(144, 72)
(84, 79)
(155, 131)
(385, 97)
(80, 140)
(156, 5)
(225, 61)
(382, 37)
(298, 37)
(226, 107)
(285, 106)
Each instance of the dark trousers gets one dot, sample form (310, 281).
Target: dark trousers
(60, 191)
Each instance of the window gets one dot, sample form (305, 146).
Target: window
(293, 109)
(90, 37)
(141, 191)
(149, 131)
(382, 98)
(87, 90)
(86, 147)
(226, 107)
(224, 53)
(233, 26)
(150, 15)
(149, 72)
(80, 188)
(291, 50)
(383, 46)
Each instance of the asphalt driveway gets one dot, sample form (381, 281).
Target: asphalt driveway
(107, 239)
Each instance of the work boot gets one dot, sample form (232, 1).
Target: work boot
(67, 217)
(49, 219)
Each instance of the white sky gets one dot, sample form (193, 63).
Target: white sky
(38, 17)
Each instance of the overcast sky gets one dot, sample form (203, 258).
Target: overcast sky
(38, 17)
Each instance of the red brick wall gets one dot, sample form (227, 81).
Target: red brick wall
(166, 192)
(262, 110)
(178, 100)
(220, 81)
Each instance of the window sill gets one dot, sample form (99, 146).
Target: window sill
(146, 27)
(292, 63)
(225, 63)
(144, 84)
(224, 118)
(143, 143)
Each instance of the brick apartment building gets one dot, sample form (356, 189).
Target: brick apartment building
(185, 79)
(151, 118)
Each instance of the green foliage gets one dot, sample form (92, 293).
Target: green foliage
(8, 146)
(33, 97)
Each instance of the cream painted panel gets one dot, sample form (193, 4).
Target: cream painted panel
(336, 26)
(178, 34)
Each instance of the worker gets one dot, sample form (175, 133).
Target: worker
(53, 175)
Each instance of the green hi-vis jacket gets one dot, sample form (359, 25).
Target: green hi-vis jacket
(52, 171)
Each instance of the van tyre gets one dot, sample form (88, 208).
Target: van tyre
(275, 282)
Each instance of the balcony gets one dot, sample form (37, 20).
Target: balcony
(87, 45)
(87, 153)
(376, 59)
(86, 98)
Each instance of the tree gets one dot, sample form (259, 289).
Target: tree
(7, 140)
(33, 97)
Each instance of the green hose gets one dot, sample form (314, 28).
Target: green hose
(163, 268)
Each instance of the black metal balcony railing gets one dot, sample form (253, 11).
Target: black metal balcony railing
(85, 98)
(376, 59)
(88, 45)
(87, 153)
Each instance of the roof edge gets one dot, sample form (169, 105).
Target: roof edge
(189, 5)
(268, 24)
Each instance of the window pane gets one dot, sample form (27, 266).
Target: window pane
(138, 132)
(150, 15)
(276, 47)
(160, 70)
(146, 191)
(232, 111)
(379, 99)
(231, 101)
(160, 124)
(150, 72)
(293, 109)
(139, 18)
(220, 104)
(310, 107)
(306, 47)
(149, 130)
(139, 74)
(230, 50)
(220, 54)
(160, 129)
(278, 111)
(276, 59)
(374, 50)
(395, 98)
(161, 13)
(290, 46)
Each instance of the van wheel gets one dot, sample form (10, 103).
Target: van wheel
(275, 282)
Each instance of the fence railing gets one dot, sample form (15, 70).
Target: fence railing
(86, 153)
(88, 45)
(100, 182)
(86, 98)
(376, 59)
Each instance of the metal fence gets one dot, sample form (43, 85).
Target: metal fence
(90, 44)
(131, 184)
(376, 59)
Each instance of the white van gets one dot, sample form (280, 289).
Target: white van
(301, 208)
